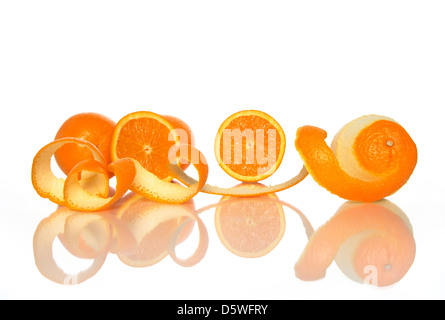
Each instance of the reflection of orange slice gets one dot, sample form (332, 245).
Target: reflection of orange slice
(250, 227)
(371, 158)
(152, 225)
(250, 145)
(371, 242)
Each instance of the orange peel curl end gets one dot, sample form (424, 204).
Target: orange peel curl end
(378, 159)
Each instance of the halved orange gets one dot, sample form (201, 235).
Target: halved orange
(250, 145)
(372, 243)
(371, 158)
(146, 137)
(250, 227)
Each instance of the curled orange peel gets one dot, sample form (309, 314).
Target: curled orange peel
(241, 191)
(372, 157)
(44, 181)
(87, 185)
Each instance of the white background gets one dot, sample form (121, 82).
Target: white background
(322, 63)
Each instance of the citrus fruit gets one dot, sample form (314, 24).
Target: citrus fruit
(146, 137)
(250, 227)
(92, 127)
(371, 158)
(250, 145)
(372, 243)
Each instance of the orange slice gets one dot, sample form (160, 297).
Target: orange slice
(250, 227)
(372, 157)
(250, 145)
(372, 243)
(146, 137)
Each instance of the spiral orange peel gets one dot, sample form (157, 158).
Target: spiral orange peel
(371, 158)
(90, 192)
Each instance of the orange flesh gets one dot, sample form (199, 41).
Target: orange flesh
(250, 165)
(145, 140)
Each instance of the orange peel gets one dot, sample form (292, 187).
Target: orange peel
(241, 191)
(372, 157)
(43, 179)
(90, 192)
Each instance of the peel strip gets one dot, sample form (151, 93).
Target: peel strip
(150, 186)
(238, 191)
(44, 181)
(324, 167)
(89, 194)
(78, 198)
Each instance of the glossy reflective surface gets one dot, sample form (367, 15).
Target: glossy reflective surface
(372, 243)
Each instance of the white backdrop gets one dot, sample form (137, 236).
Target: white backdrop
(322, 63)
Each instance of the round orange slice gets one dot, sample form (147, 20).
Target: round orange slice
(250, 227)
(371, 158)
(372, 243)
(146, 137)
(250, 145)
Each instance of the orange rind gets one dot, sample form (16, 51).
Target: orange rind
(371, 158)
(90, 192)
(43, 179)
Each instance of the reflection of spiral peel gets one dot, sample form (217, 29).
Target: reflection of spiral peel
(140, 237)
(371, 242)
